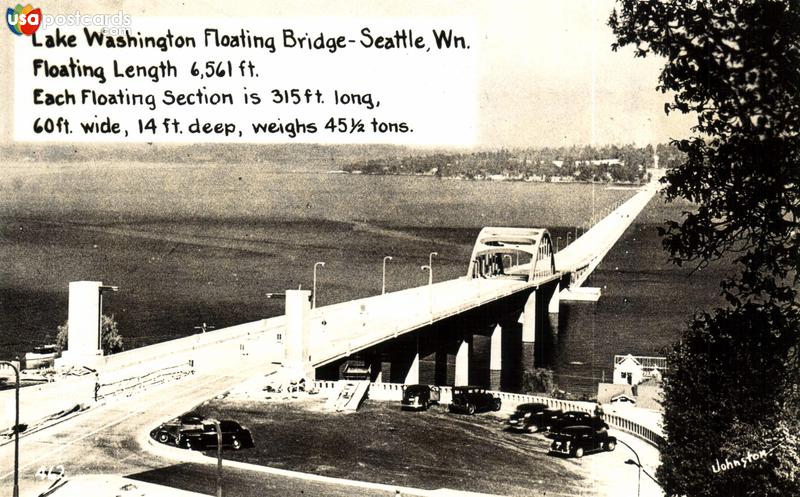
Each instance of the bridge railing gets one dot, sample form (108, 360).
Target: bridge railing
(167, 351)
(133, 384)
(394, 392)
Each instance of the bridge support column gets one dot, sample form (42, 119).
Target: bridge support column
(496, 358)
(462, 362)
(296, 357)
(84, 315)
(528, 320)
(376, 367)
(412, 376)
(555, 300)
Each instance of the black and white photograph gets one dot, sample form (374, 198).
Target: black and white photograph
(400, 248)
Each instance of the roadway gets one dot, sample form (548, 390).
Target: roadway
(105, 439)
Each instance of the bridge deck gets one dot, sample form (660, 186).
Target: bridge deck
(340, 329)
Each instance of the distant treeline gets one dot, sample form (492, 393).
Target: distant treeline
(622, 164)
(292, 156)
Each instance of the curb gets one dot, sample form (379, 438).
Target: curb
(185, 455)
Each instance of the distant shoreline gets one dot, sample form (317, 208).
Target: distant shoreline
(498, 179)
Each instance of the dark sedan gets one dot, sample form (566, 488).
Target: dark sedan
(193, 431)
(169, 432)
(533, 417)
(579, 418)
(575, 441)
(419, 397)
(470, 400)
(234, 436)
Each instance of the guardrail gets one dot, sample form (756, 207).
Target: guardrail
(394, 392)
(133, 384)
(188, 344)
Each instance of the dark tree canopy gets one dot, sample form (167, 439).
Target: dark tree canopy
(733, 388)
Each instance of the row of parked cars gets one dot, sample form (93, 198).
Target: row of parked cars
(574, 433)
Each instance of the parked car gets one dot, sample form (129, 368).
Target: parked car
(469, 400)
(169, 432)
(579, 418)
(419, 396)
(234, 436)
(533, 417)
(193, 431)
(575, 441)
(43, 356)
(623, 399)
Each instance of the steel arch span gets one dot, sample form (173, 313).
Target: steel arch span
(530, 251)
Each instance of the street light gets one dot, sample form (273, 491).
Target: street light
(430, 288)
(430, 258)
(16, 429)
(219, 456)
(383, 285)
(430, 274)
(314, 285)
(635, 463)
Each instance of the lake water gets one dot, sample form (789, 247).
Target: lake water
(194, 244)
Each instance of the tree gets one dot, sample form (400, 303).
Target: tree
(732, 389)
(538, 380)
(110, 339)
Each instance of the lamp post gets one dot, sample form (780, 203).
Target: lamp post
(383, 285)
(314, 285)
(430, 262)
(430, 287)
(16, 428)
(636, 463)
(219, 456)
(430, 274)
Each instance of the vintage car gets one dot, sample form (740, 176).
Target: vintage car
(234, 436)
(419, 397)
(470, 399)
(43, 356)
(579, 418)
(168, 433)
(533, 417)
(623, 399)
(575, 441)
(194, 431)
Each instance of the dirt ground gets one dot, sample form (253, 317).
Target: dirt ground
(381, 443)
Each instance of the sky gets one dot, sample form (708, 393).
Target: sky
(547, 74)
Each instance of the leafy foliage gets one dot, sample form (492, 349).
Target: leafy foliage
(110, 339)
(733, 386)
(538, 380)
